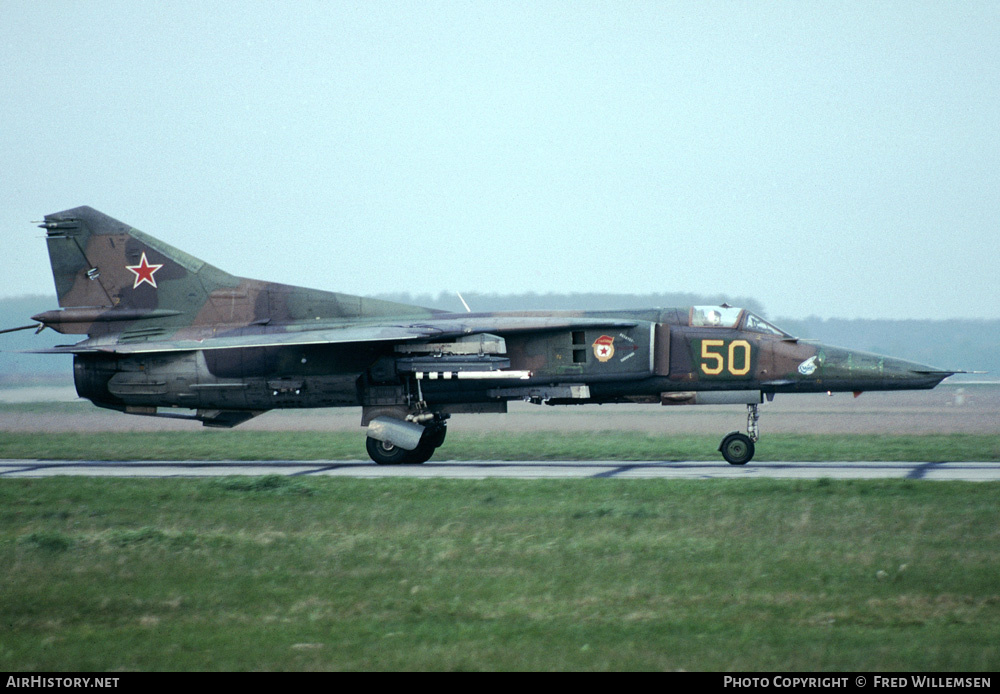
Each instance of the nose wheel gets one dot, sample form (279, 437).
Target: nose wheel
(737, 448)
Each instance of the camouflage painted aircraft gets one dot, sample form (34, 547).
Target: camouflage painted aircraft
(168, 333)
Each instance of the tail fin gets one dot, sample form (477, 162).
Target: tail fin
(102, 266)
(109, 276)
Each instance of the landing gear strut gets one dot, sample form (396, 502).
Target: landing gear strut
(737, 448)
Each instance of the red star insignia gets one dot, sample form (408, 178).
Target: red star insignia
(143, 272)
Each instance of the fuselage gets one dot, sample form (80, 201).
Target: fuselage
(639, 356)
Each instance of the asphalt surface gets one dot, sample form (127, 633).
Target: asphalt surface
(969, 471)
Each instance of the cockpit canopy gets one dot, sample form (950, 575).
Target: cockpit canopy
(731, 317)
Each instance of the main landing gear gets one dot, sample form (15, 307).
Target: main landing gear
(737, 448)
(388, 453)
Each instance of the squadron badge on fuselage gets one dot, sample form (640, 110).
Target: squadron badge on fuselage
(604, 348)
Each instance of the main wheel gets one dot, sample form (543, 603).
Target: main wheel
(420, 454)
(434, 436)
(385, 453)
(737, 449)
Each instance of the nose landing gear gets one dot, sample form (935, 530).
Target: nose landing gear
(737, 448)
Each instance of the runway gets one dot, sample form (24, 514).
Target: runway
(967, 471)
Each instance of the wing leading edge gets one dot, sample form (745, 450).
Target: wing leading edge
(437, 329)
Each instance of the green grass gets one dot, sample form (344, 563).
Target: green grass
(261, 445)
(283, 573)
(46, 407)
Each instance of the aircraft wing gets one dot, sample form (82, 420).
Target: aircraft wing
(436, 329)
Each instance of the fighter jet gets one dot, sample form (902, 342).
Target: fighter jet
(169, 335)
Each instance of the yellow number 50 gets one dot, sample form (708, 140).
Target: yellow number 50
(714, 362)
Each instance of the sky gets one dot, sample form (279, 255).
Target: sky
(826, 158)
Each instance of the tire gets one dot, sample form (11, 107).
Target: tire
(432, 439)
(737, 449)
(385, 453)
(420, 454)
(434, 436)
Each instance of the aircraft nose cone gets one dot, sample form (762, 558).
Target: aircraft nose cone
(867, 371)
(915, 374)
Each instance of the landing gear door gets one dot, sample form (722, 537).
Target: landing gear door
(661, 349)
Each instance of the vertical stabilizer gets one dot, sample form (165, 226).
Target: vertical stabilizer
(101, 264)
(109, 275)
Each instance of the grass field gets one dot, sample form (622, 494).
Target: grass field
(283, 573)
(280, 573)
